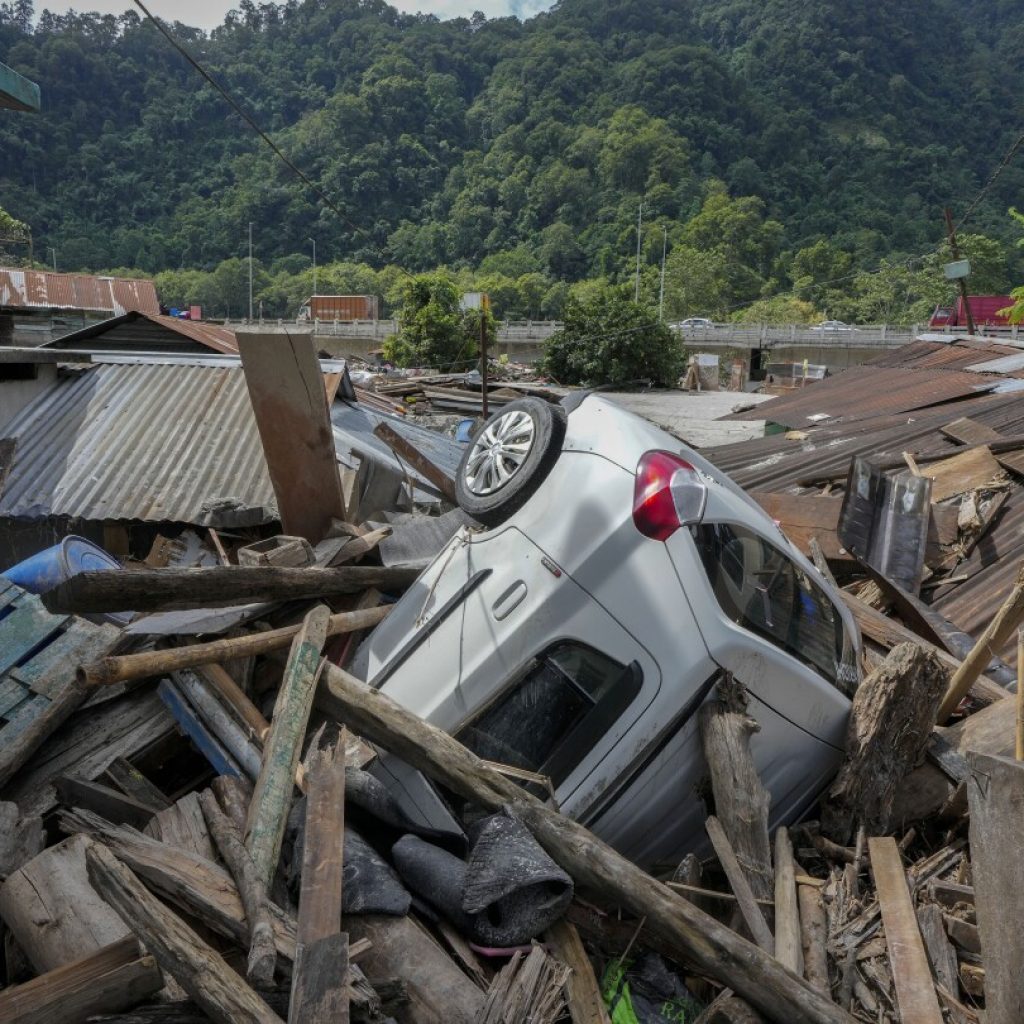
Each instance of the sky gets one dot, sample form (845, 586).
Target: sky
(208, 14)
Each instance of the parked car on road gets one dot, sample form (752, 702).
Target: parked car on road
(694, 323)
(618, 576)
(833, 325)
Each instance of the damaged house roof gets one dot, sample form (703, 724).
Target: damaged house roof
(42, 290)
(141, 330)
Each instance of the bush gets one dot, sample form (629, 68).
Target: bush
(610, 340)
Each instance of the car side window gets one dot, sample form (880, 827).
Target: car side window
(763, 590)
(547, 721)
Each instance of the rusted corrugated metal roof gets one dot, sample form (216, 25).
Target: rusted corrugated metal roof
(148, 442)
(148, 332)
(865, 391)
(932, 355)
(42, 290)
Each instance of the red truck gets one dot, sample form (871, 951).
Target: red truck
(984, 308)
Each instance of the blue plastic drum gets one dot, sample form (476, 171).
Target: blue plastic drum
(46, 569)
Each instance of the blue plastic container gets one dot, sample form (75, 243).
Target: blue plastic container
(46, 569)
(464, 431)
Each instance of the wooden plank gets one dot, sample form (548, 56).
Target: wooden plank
(200, 971)
(995, 793)
(21, 839)
(814, 934)
(111, 590)
(915, 991)
(968, 471)
(49, 671)
(271, 801)
(583, 993)
(206, 743)
(183, 826)
(286, 389)
(110, 980)
(29, 626)
(319, 994)
(740, 885)
(406, 450)
(940, 952)
(971, 432)
(133, 783)
(12, 694)
(788, 947)
(104, 801)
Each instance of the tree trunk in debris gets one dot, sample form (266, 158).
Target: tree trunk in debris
(734, 1011)
(262, 951)
(173, 659)
(150, 590)
(890, 723)
(995, 792)
(200, 971)
(678, 928)
(741, 800)
(111, 979)
(439, 993)
(53, 911)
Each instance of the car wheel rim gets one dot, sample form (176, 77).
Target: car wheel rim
(499, 452)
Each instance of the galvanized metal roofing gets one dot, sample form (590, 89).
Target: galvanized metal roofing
(147, 442)
(140, 330)
(42, 290)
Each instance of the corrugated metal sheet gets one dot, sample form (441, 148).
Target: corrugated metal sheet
(958, 354)
(148, 442)
(42, 290)
(150, 333)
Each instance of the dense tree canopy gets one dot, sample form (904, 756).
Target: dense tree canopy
(777, 146)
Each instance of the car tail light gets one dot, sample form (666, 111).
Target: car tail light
(668, 493)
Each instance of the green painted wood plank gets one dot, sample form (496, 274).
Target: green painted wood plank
(29, 625)
(11, 695)
(27, 712)
(52, 668)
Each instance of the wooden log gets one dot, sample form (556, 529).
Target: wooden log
(111, 979)
(439, 993)
(679, 929)
(21, 839)
(194, 965)
(150, 590)
(814, 935)
(940, 951)
(995, 793)
(319, 995)
(53, 911)
(741, 801)
(733, 1011)
(890, 723)
(222, 681)
(286, 388)
(406, 450)
(788, 947)
(104, 801)
(583, 993)
(234, 795)
(108, 671)
(740, 885)
(262, 957)
(915, 991)
(182, 825)
(272, 796)
(998, 632)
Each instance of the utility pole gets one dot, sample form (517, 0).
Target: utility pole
(661, 294)
(485, 305)
(313, 240)
(639, 225)
(250, 271)
(50, 248)
(962, 281)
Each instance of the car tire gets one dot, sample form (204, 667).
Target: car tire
(509, 458)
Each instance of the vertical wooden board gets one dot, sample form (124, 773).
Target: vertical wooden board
(915, 991)
(288, 399)
(27, 627)
(995, 794)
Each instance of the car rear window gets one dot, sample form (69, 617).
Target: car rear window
(563, 702)
(764, 591)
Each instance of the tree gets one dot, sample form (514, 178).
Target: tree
(609, 339)
(433, 330)
(780, 309)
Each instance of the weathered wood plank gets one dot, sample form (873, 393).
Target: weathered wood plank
(740, 885)
(915, 991)
(28, 626)
(200, 971)
(788, 947)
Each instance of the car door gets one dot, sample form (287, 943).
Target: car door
(765, 621)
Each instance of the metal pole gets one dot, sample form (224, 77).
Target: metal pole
(661, 295)
(313, 240)
(250, 270)
(483, 355)
(54, 251)
(639, 225)
(954, 249)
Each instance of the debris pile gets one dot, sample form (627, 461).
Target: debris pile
(207, 814)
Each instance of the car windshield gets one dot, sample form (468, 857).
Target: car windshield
(761, 589)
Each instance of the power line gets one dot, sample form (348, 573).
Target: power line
(298, 172)
(1002, 165)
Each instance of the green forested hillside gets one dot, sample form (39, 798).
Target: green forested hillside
(773, 142)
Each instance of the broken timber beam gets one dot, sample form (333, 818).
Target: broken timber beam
(272, 796)
(319, 994)
(740, 885)
(150, 590)
(406, 450)
(680, 929)
(262, 957)
(200, 971)
(108, 671)
(788, 947)
(999, 631)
